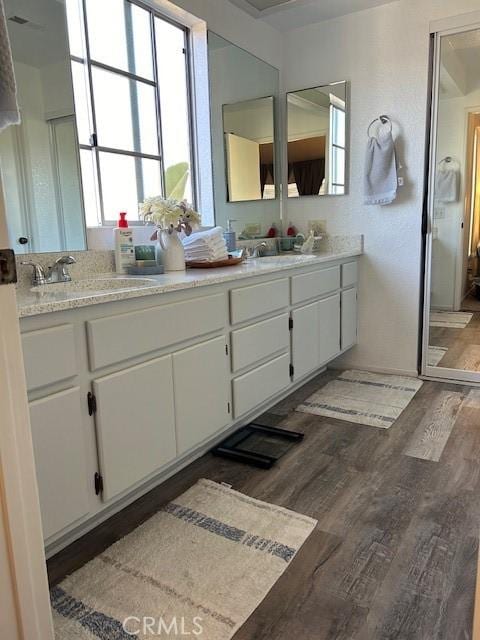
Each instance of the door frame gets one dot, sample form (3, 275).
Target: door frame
(21, 535)
(439, 373)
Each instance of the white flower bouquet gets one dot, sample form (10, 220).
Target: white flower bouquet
(169, 214)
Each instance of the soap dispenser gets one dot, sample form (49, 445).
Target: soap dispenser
(124, 247)
(230, 237)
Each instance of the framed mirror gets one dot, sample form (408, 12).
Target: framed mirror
(317, 141)
(249, 134)
(39, 159)
(244, 92)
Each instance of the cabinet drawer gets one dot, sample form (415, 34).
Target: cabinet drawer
(349, 274)
(255, 387)
(315, 284)
(129, 335)
(258, 300)
(49, 355)
(259, 341)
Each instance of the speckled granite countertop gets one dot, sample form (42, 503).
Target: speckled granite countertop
(84, 292)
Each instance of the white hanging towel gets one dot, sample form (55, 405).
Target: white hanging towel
(446, 185)
(380, 182)
(9, 113)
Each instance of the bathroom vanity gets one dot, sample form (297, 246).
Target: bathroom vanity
(127, 386)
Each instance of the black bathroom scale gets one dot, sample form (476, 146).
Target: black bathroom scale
(258, 445)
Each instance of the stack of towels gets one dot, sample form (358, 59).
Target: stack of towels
(205, 246)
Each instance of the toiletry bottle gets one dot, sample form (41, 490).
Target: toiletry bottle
(230, 237)
(291, 231)
(272, 232)
(124, 247)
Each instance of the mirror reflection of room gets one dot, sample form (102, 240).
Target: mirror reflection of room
(249, 146)
(244, 98)
(39, 159)
(454, 339)
(317, 141)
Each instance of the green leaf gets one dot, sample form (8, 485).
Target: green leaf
(176, 177)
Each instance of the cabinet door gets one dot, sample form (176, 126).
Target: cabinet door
(60, 459)
(305, 340)
(135, 423)
(202, 399)
(329, 328)
(349, 318)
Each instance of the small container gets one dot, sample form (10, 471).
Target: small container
(230, 237)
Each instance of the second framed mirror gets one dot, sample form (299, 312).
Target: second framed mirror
(317, 140)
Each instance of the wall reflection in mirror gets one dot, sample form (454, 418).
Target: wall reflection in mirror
(454, 318)
(317, 140)
(39, 158)
(244, 93)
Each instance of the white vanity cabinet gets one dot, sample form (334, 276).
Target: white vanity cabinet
(125, 393)
(135, 423)
(60, 458)
(202, 394)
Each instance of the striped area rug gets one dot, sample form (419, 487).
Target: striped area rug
(363, 397)
(197, 568)
(435, 354)
(450, 319)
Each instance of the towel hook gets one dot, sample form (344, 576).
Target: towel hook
(383, 119)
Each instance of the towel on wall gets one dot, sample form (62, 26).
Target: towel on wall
(9, 113)
(447, 185)
(381, 180)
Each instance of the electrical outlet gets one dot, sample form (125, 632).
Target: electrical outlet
(318, 227)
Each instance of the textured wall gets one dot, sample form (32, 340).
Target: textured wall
(383, 52)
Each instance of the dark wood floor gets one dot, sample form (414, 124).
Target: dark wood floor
(395, 551)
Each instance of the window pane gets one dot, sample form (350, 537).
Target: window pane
(118, 105)
(126, 181)
(338, 165)
(338, 129)
(172, 72)
(75, 28)
(82, 102)
(119, 35)
(90, 191)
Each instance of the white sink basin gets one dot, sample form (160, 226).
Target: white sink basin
(95, 285)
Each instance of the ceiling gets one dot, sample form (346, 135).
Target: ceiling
(42, 38)
(291, 14)
(460, 64)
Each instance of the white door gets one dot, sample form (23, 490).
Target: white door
(243, 168)
(349, 318)
(202, 398)
(135, 423)
(25, 609)
(60, 459)
(329, 328)
(305, 340)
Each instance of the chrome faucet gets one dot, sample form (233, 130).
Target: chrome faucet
(258, 250)
(56, 273)
(59, 271)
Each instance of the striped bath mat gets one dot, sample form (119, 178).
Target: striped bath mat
(450, 319)
(363, 397)
(435, 354)
(199, 567)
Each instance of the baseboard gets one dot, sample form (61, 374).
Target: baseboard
(410, 373)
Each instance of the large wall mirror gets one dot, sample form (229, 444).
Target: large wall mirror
(244, 92)
(317, 140)
(39, 159)
(452, 305)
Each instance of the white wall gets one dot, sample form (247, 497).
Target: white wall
(383, 52)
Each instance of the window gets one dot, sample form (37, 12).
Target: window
(337, 145)
(132, 99)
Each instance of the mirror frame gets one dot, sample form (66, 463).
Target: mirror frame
(347, 141)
